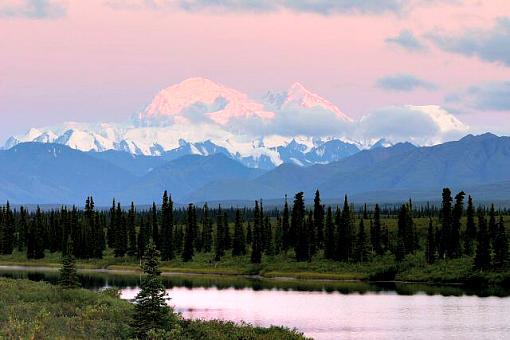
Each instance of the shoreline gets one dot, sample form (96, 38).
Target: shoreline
(124, 271)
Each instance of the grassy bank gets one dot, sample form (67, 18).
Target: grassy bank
(36, 310)
(385, 268)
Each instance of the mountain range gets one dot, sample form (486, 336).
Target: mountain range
(202, 117)
(55, 173)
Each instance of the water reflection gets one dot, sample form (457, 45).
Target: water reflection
(324, 309)
(99, 280)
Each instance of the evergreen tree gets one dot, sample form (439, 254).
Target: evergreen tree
(302, 246)
(131, 231)
(362, 252)
(430, 251)
(483, 253)
(155, 226)
(501, 246)
(219, 246)
(405, 232)
(35, 237)
(344, 238)
(287, 240)
(151, 311)
(375, 231)
(207, 230)
(329, 236)
(239, 244)
(227, 239)
(142, 239)
(312, 234)
(318, 218)
(111, 232)
(7, 231)
(470, 233)
(268, 237)
(178, 238)
(455, 250)
(22, 229)
(278, 236)
(167, 229)
(446, 224)
(249, 234)
(493, 226)
(68, 272)
(256, 247)
(187, 251)
(121, 233)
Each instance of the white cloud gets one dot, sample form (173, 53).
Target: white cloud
(423, 125)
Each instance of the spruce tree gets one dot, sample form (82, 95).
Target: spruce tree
(131, 231)
(501, 246)
(493, 226)
(22, 229)
(68, 272)
(482, 259)
(470, 233)
(207, 230)
(142, 239)
(167, 229)
(318, 218)
(455, 250)
(219, 246)
(430, 250)
(344, 238)
(35, 237)
(239, 243)
(362, 252)
(121, 233)
(256, 246)
(302, 246)
(7, 231)
(187, 251)
(155, 226)
(227, 239)
(446, 224)
(111, 232)
(287, 240)
(278, 236)
(151, 311)
(268, 237)
(312, 234)
(249, 234)
(329, 236)
(375, 231)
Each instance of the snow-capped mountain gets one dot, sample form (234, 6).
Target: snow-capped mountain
(298, 97)
(201, 117)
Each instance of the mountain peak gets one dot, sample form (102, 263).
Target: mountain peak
(201, 96)
(299, 96)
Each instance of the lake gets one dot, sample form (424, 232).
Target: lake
(323, 309)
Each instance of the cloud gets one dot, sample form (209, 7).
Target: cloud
(494, 96)
(406, 40)
(323, 7)
(491, 45)
(314, 122)
(404, 82)
(423, 125)
(31, 9)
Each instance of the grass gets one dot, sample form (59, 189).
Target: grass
(37, 310)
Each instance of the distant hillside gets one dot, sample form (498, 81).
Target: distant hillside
(54, 173)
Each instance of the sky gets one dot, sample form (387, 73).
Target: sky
(104, 60)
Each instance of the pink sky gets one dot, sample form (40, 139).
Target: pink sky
(94, 62)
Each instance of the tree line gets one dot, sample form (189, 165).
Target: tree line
(339, 233)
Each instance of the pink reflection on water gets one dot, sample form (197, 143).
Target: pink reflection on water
(349, 316)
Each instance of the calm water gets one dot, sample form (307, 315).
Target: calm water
(326, 310)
